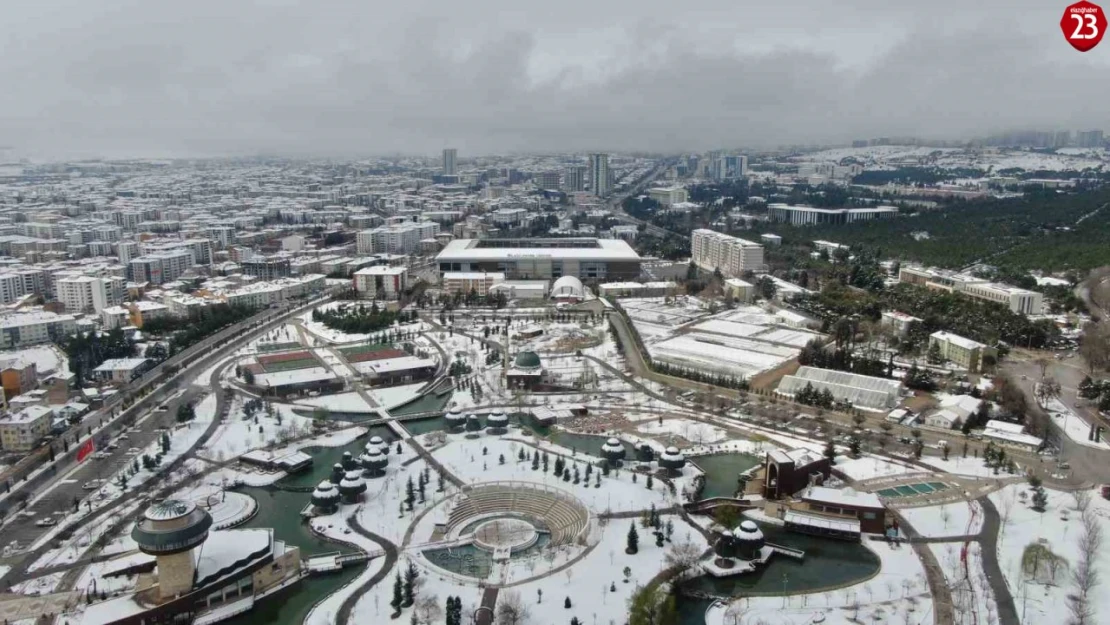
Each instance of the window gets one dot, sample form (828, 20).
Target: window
(869, 516)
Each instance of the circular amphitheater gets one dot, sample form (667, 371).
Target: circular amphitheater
(510, 515)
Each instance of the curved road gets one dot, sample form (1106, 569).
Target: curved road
(343, 616)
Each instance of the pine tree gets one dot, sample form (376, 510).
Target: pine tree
(398, 595)
(545, 462)
(669, 530)
(535, 462)
(409, 586)
(633, 545)
(520, 455)
(830, 452)
(650, 482)
(559, 465)
(501, 459)
(566, 603)
(440, 488)
(658, 539)
(410, 495)
(423, 498)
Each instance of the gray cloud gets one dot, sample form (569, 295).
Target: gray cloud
(125, 77)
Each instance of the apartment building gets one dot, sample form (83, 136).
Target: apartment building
(898, 322)
(463, 282)
(267, 268)
(160, 267)
(601, 182)
(21, 431)
(89, 293)
(960, 351)
(711, 250)
(381, 282)
(263, 294)
(32, 328)
(403, 238)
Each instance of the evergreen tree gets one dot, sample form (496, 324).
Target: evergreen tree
(830, 452)
(535, 462)
(520, 455)
(566, 603)
(650, 482)
(423, 497)
(633, 545)
(410, 494)
(566, 474)
(409, 586)
(398, 594)
(501, 459)
(854, 446)
(545, 462)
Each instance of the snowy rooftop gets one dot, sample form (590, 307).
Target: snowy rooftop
(842, 497)
(227, 550)
(591, 249)
(956, 339)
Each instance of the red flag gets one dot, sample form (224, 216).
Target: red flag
(86, 449)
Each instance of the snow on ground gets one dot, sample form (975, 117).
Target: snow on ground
(93, 575)
(1060, 527)
(959, 465)
(38, 585)
(393, 396)
(238, 435)
(693, 431)
(899, 588)
(464, 458)
(867, 467)
(952, 519)
(341, 402)
(71, 549)
(971, 592)
(1076, 427)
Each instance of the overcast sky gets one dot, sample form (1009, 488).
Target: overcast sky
(340, 77)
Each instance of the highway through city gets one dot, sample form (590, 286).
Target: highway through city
(197, 356)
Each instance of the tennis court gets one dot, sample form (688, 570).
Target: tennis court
(912, 490)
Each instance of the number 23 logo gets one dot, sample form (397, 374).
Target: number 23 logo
(1083, 25)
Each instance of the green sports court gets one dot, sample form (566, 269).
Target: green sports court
(912, 490)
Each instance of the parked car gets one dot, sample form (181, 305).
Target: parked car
(47, 522)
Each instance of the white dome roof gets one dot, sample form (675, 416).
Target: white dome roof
(568, 286)
(376, 440)
(748, 530)
(455, 415)
(672, 451)
(613, 442)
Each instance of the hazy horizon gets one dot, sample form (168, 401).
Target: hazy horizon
(122, 78)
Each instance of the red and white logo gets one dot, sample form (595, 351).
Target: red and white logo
(1083, 24)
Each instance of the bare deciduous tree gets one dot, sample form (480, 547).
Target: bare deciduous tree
(511, 609)
(1082, 499)
(683, 554)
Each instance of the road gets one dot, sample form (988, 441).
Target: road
(616, 203)
(1087, 464)
(119, 419)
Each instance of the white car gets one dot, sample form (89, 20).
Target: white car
(47, 522)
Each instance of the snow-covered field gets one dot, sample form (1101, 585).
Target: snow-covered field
(340, 402)
(876, 157)
(464, 458)
(238, 435)
(1059, 528)
(692, 431)
(959, 465)
(952, 519)
(867, 467)
(38, 585)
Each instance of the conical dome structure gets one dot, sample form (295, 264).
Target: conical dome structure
(672, 459)
(349, 461)
(374, 462)
(352, 486)
(612, 451)
(337, 472)
(326, 497)
(473, 423)
(497, 422)
(748, 539)
(376, 442)
(455, 420)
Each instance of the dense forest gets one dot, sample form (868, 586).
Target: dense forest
(1041, 230)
